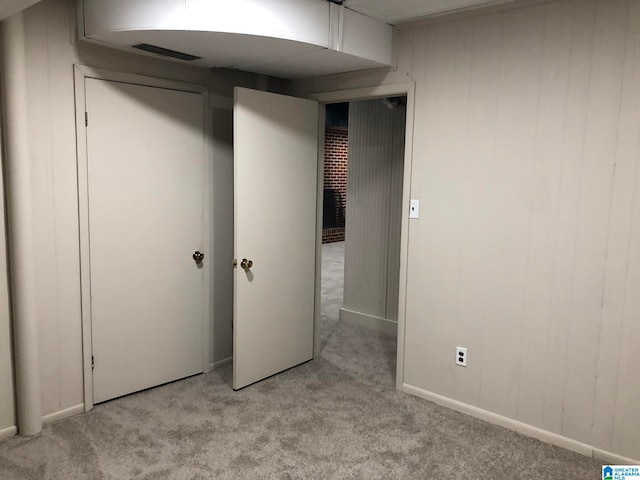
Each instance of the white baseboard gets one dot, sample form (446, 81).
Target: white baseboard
(52, 417)
(612, 458)
(8, 432)
(520, 427)
(221, 363)
(368, 321)
(66, 413)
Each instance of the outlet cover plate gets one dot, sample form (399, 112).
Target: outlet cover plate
(461, 356)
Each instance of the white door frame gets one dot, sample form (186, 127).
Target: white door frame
(81, 73)
(368, 93)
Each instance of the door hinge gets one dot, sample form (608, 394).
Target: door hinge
(86, 119)
(93, 362)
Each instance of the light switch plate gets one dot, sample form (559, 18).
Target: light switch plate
(414, 208)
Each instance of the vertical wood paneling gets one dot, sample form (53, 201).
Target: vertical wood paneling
(478, 148)
(396, 153)
(526, 249)
(510, 173)
(367, 215)
(590, 251)
(7, 407)
(546, 178)
(626, 422)
(415, 370)
(615, 403)
(51, 56)
(526, 158)
(49, 333)
(566, 217)
(431, 303)
(65, 268)
(453, 164)
(374, 188)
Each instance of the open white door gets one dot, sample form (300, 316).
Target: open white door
(276, 151)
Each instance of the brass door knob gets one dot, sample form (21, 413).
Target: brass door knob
(246, 264)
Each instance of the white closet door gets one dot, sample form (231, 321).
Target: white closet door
(146, 197)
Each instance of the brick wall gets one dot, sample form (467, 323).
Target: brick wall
(330, 235)
(336, 154)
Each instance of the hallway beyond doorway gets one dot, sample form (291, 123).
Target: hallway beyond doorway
(355, 348)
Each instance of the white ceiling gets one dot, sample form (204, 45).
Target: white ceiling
(398, 11)
(389, 11)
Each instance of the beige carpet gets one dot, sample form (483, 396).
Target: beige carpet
(338, 417)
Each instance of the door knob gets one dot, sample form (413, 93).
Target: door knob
(198, 257)
(246, 264)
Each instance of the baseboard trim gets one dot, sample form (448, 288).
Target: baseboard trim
(613, 458)
(62, 414)
(368, 321)
(52, 417)
(520, 427)
(8, 432)
(221, 363)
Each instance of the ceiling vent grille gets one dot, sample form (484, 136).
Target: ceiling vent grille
(166, 52)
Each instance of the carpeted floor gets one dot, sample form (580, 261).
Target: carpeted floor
(338, 417)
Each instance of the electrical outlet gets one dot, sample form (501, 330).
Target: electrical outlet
(461, 356)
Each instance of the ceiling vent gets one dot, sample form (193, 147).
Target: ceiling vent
(166, 52)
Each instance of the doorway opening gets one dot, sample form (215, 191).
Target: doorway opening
(392, 98)
(364, 156)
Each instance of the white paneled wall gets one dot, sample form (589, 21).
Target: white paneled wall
(520, 121)
(526, 159)
(374, 186)
(7, 407)
(50, 58)
(527, 250)
(51, 53)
